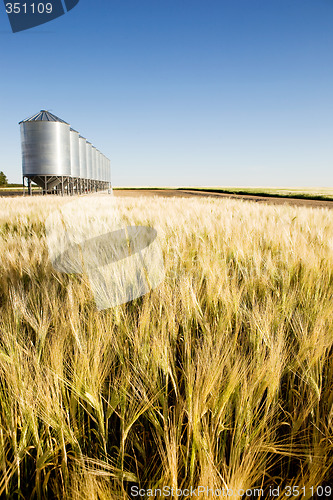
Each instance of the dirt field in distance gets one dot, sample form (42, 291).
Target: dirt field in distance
(258, 199)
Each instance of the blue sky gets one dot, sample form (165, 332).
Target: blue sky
(181, 92)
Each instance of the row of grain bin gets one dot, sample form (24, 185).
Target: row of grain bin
(58, 159)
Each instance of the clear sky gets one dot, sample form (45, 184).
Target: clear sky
(181, 92)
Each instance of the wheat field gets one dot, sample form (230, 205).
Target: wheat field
(221, 377)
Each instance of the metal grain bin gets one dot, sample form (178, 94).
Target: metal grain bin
(45, 140)
(98, 165)
(83, 157)
(101, 170)
(94, 163)
(89, 159)
(104, 168)
(75, 153)
(109, 171)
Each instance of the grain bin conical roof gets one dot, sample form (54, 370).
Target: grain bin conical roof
(44, 116)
